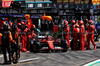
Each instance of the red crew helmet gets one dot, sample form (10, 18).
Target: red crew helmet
(91, 21)
(72, 21)
(65, 22)
(6, 19)
(76, 26)
(19, 23)
(80, 22)
(26, 30)
(10, 22)
(22, 23)
(3, 22)
(33, 26)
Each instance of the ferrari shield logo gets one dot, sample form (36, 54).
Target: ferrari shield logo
(55, 28)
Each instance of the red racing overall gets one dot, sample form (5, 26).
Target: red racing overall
(66, 35)
(76, 35)
(24, 40)
(73, 26)
(81, 35)
(90, 36)
(32, 35)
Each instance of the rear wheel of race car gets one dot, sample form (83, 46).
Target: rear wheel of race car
(77, 46)
(64, 46)
(35, 51)
(86, 44)
(71, 45)
(31, 46)
(64, 50)
(0, 49)
(47, 51)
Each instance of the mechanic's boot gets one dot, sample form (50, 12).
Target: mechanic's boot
(88, 48)
(81, 49)
(24, 50)
(94, 47)
(96, 40)
(17, 57)
(5, 62)
(11, 59)
(20, 51)
(68, 46)
(98, 46)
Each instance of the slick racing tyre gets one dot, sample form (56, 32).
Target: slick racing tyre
(64, 50)
(86, 44)
(36, 46)
(45, 44)
(77, 45)
(64, 45)
(72, 45)
(47, 51)
(31, 45)
(0, 49)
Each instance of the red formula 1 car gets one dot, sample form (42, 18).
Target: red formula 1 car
(48, 43)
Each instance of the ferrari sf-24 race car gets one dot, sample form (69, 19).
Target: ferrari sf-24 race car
(48, 43)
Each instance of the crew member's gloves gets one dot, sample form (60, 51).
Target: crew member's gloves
(38, 30)
(15, 43)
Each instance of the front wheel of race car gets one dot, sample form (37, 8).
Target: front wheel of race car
(36, 47)
(35, 50)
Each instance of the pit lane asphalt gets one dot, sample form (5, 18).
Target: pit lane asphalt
(70, 58)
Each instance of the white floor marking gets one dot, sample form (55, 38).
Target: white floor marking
(91, 62)
(21, 61)
(1, 55)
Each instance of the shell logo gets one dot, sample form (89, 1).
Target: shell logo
(27, 16)
(48, 18)
(96, 1)
(28, 23)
